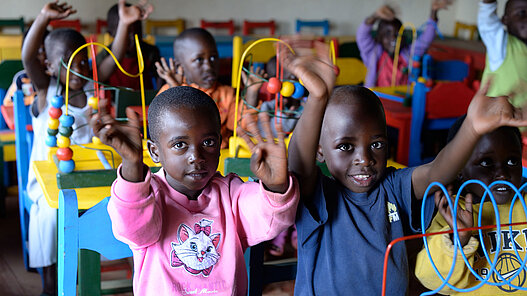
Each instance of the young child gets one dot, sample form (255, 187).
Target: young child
(497, 156)
(378, 54)
(124, 22)
(506, 49)
(196, 64)
(187, 225)
(344, 223)
(49, 81)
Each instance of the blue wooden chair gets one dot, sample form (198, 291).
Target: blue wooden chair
(259, 272)
(324, 24)
(436, 105)
(23, 144)
(91, 233)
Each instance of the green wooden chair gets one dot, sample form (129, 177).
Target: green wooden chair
(124, 98)
(13, 23)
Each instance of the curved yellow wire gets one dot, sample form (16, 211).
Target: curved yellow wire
(398, 47)
(240, 68)
(140, 62)
(332, 53)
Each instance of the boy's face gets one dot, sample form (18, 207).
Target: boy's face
(388, 37)
(515, 18)
(188, 149)
(200, 62)
(79, 65)
(354, 146)
(497, 156)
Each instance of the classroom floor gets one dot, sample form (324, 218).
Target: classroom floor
(16, 281)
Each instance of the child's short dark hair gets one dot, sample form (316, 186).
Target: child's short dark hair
(61, 43)
(179, 97)
(192, 33)
(367, 99)
(457, 125)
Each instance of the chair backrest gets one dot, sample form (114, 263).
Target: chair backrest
(451, 70)
(23, 144)
(229, 25)
(248, 26)
(74, 24)
(179, 24)
(13, 23)
(352, 71)
(8, 69)
(99, 24)
(124, 98)
(260, 53)
(471, 28)
(324, 24)
(91, 231)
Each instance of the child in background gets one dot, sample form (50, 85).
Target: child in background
(378, 54)
(187, 225)
(344, 223)
(506, 49)
(196, 64)
(49, 80)
(124, 22)
(497, 156)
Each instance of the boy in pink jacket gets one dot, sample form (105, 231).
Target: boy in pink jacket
(187, 225)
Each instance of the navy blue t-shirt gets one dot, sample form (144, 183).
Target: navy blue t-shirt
(342, 236)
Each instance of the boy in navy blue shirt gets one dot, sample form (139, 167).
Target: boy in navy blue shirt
(345, 222)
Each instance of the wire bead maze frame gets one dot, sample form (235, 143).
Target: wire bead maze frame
(276, 86)
(457, 246)
(62, 123)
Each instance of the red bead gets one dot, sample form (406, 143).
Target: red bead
(336, 70)
(429, 83)
(64, 153)
(54, 112)
(274, 85)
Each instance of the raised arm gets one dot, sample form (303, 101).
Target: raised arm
(127, 16)
(34, 39)
(318, 76)
(492, 33)
(484, 115)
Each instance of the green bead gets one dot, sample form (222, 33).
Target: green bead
(52, 132)
(65, 131)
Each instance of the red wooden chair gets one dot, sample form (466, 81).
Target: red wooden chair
(248, 26)
(229, 25)
(75, 24)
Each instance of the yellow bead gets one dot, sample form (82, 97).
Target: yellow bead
(93, 102)
(287, 89)
(96, 141)
(53, 123)
(63, 142)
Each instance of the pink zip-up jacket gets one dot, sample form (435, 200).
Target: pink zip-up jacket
(195, 247)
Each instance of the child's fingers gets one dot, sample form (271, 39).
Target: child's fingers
(133, 118)
(468, 202)
(263, 117)
(172, 65)
(279, 133)
(164, 63)
(246, 137)
(485, 87)
(252, 127)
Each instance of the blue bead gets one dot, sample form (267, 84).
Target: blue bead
(57, 101)
(51, 141)
(66, 166)
(66, 120)
(299, 91)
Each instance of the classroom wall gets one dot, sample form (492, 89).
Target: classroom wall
(345, 15)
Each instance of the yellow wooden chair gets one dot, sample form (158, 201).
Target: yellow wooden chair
(151, 25)
(472, 29)
(352, 71)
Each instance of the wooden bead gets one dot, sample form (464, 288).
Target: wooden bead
(66, 166)
(63, 142)
(67, 120)
(57, 101)
(287, 89)
(53, 123)
(51, 141)
(54, 113)
(64, 153)
(274, 85)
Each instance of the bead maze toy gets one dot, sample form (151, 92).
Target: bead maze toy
(508, 276)
(60, 126)
(276, 85)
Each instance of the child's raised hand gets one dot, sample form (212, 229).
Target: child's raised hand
(441, 4)
(385, 12)
(269, 158)
(171, 73)
(253, 84)
(487, 114)
(125, 138)
(464, 219)
(316, 71)
(137, 12)
(55, 10)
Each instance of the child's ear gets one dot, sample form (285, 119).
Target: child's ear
(49, 67)
(153, 150)
(320, 154)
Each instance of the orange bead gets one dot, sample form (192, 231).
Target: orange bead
(64, 153)
(54, 113)
(274, 85)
